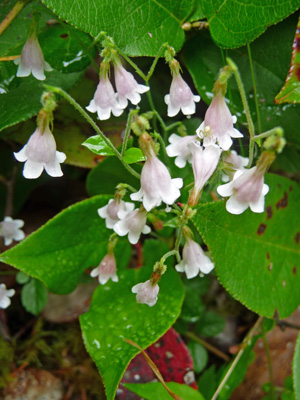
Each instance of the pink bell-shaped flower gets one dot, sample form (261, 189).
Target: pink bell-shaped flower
(105, 99)
(146, 292)
(133, 224)
(194, 260)
(10, 230)
(247, 189)
(115, 210)
(40, 153)
(106, 270)
(127, 86)
(180, 97)
(218, 124)
(179, 148)
(5, 295)
(32, 60)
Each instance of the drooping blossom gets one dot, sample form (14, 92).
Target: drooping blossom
(156, 182)
(40, 153)
(204, 163)
(179, 148)
(10, 230)
(180, 97)
(5, 295)
(107, 269)
(194, 260)
(127, 86)
(247, 189)
(146, 292)
(115, 210)
(32, 60)
(217, 126)
(233, 162)
(105, 100)
(133, 224)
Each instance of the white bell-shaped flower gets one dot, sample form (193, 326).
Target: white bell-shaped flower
(10, 230)
(247, 189)
(32, 60)
(157, 185)
(180, 97)
(133, 224)
(107, 269)
(115, 210)
(127, 86)
(233, 162)
(105, 100)
(217, 126)
(194, 260)
(179, 148)
(40, 153)
(146, 292)
(5, 295)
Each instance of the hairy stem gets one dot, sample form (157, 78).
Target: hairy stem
(127, 131)
(254, 89)
(12, 14)
(93, 124)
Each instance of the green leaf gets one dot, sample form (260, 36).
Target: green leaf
(104, 178)
(114, 315)
(210, 324)
(155, 391)
(98, 146)
(257, 255)
(34, 296)
(233, 24)
(208, 382)
(22, 278)
(296, 369)
(290, 93)
(64, 247)
(271, 55)
(138, 28)
(197, 13)
(199, 355)
(192, 307)
(133, 155)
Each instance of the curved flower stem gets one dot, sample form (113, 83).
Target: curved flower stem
(183, 222)
(277, 130)
(169, 254)
(136, 68)
(271, 377)
(127, 131)
(240, 85)
(70, 99)
(254, 88)
(157, 57)
(172, 126)
(163, 146)
(246, 341)
(13, 14)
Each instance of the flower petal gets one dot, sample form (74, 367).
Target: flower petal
(235, 207)
(32, 169)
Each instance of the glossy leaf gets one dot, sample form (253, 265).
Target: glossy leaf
(115, 315)
(290, 93)
(296, 369)
(271, 55)
(34, 296)
(199, 354)
(155, 391)
(98, 146)
(138, 28)
(133, 155)
(255, 254)
(104, 178)
(233, 24)
(64, 247)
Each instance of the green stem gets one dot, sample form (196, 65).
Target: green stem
(277, 130)
(127, 131)
(12, 14)
(254, 88)
(267, 350)
(70, 99)
(137, 69)
(183, 221)
(131, 188)
(237, 358)
(172, 126)
(245, 105)
(208, 346)
(168, 254)
(151, 70)
(163, 146)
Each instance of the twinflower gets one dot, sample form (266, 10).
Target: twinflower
(107, 269)
(5, 295)
(179, 148)
(10, 230)
(156, 182)
(133, 224)
(217, 126)
(40, 152)
(114, 211)
(146, 292)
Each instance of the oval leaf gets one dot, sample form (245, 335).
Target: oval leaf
(257, 256)
(133, 155)
(97, 145)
